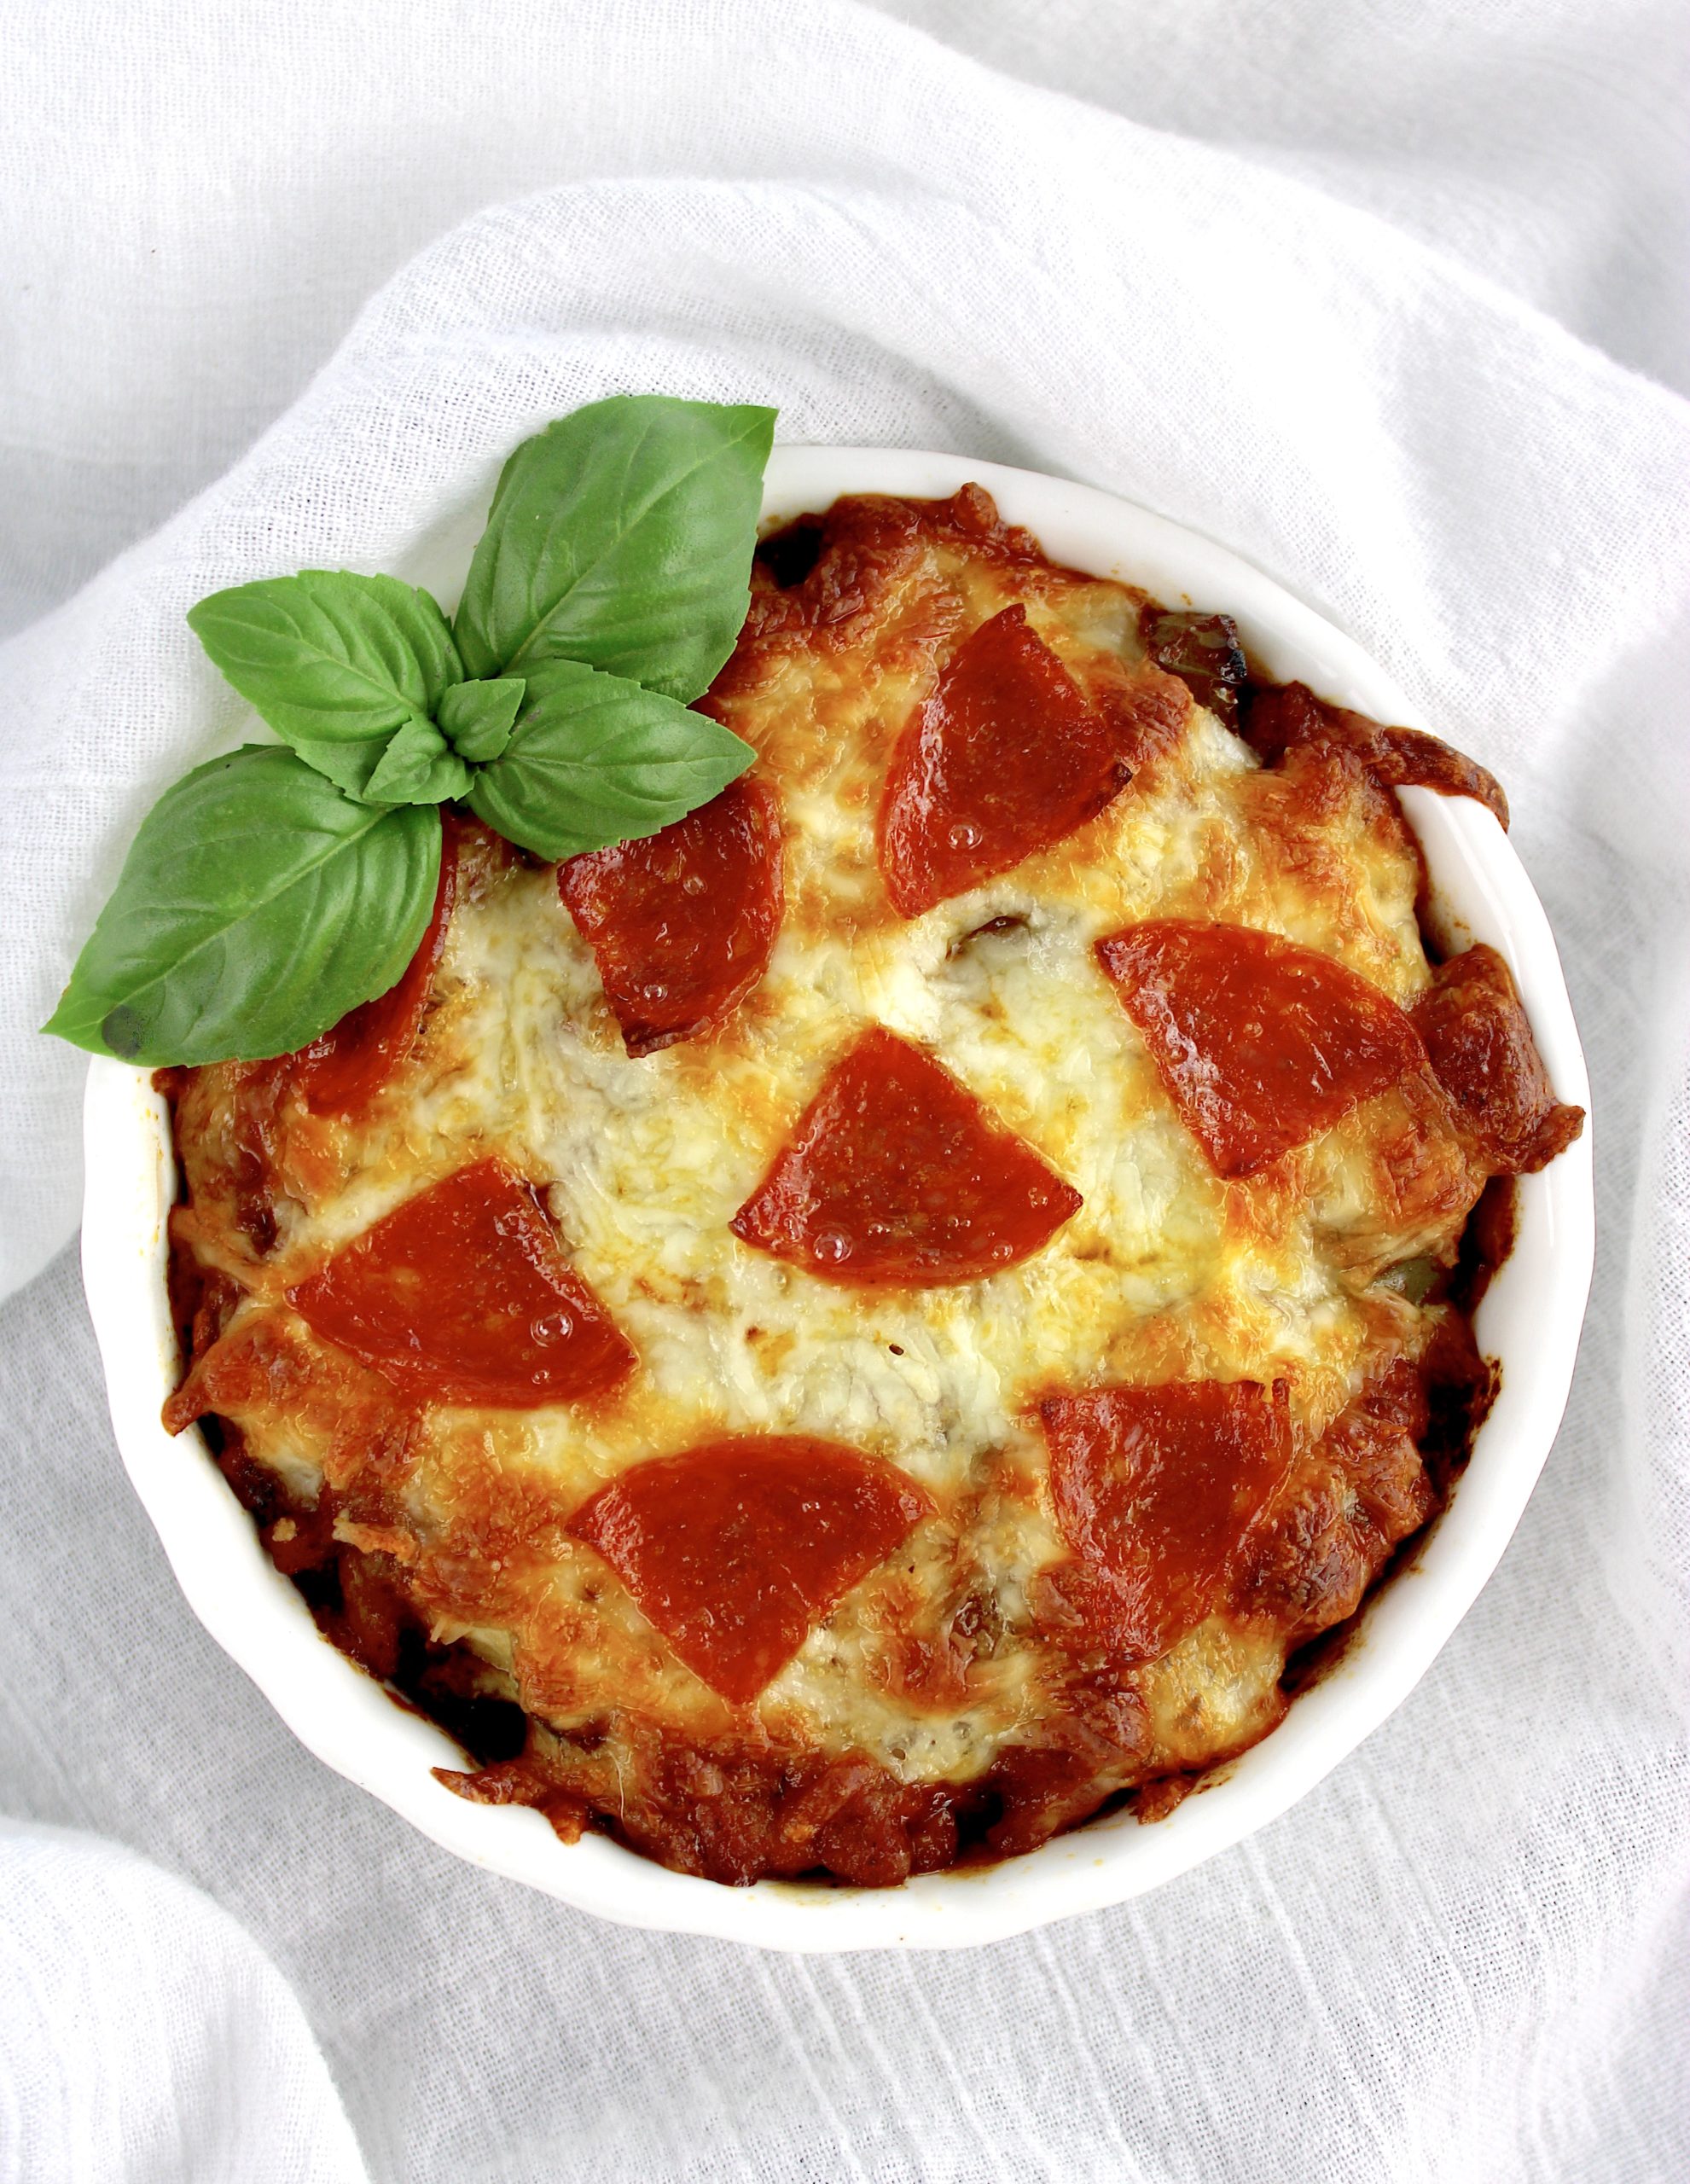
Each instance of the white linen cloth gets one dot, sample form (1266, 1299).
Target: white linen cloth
(144, 2035)
(1293, 276)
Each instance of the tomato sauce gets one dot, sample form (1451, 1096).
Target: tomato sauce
(898, 1176)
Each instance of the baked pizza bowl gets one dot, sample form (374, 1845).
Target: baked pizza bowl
(927, 1346)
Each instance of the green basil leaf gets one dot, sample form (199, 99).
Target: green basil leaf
(595, 759)
(622, 537)
(334, 662)
(416, 768)
(475, 718)
(257, 905)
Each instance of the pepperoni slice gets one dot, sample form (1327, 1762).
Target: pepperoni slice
(1005, 757)
(1259, 1043)
(1155, 1489)
(342, 1072)
(681, 924)
(1280, 719)
(736, 1549)
(462, 1295)
(1479, 1041)
(898, 1176)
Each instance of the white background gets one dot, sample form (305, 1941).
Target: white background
(1389, 298)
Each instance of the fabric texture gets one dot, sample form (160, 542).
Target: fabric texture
(145, 2035)
(1359, 292)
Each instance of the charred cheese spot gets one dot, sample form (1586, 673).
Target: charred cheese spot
(957, 1668)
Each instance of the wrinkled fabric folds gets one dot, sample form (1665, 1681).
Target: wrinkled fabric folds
(285, 286)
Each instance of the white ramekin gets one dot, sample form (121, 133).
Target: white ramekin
(1529, 1319)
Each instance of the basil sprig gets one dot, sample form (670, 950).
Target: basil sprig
(252, 865)
(607, 542)
(594, 759)
(269, 891)
(336, 664)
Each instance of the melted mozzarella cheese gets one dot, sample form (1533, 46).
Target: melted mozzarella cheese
(1164, 1271)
